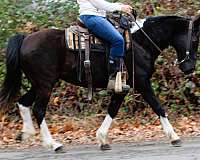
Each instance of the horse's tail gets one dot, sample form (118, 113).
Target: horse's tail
(12, 81)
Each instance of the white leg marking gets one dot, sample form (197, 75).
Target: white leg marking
(168, 129)
(47, 139)
(103, 130)
(28, 128)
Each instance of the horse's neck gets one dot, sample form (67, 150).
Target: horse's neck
(159, 35)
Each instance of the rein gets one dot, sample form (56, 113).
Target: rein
(134, 20)
(133, 55)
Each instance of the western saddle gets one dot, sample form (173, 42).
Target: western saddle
(78, 38)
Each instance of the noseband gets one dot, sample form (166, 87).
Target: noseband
(187, 55)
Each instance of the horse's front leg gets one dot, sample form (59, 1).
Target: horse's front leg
(144, 87)
(113, 108)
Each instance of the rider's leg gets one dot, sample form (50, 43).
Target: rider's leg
(102, 28)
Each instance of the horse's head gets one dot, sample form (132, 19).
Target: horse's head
(185, 41)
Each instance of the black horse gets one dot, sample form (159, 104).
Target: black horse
(44, 58)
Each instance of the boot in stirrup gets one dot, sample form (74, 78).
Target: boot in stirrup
(116, 83)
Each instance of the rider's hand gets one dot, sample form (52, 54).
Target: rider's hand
(126, 8)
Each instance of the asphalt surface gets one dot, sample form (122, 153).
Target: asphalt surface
(190, 150)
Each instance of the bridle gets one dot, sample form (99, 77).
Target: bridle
(187, 55)
(177, 62)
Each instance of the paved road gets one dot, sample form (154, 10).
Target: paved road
(190, 150)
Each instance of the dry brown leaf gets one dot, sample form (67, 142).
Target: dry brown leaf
(56, 101)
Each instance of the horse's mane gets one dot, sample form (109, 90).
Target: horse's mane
(161, 19)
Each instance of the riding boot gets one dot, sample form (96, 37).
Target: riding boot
(115, 82)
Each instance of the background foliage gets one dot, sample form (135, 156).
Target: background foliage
(176, 92)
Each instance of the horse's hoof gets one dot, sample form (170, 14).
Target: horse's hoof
(176, 143)
(19, 137)
(60, 149)
(105, 147)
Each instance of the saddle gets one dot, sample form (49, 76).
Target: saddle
(76, 33)
(79, 38)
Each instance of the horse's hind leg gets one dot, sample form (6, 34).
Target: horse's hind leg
(39, 110)
(24, 104)
(113, 108)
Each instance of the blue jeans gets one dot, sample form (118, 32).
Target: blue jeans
(103, 29)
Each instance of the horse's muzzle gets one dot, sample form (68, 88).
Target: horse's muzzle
(188, 67)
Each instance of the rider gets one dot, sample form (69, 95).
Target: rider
(93, 15)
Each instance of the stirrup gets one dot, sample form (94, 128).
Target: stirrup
(125, 87)
(118, 84)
